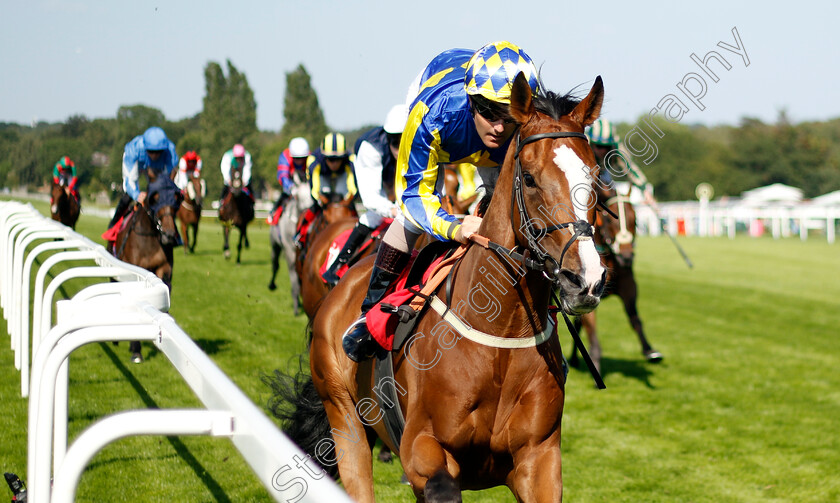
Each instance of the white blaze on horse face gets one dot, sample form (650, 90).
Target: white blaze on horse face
(580, 187)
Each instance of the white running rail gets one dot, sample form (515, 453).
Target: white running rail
(131, 308)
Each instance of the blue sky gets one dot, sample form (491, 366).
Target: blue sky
(66, 57)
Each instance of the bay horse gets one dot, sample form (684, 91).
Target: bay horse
(477, 414)
(282, 236)
(189, 214)
(615, 239)
(149, 237)
(450, 200)
(236, 210)
(338, 216)
(65, 207)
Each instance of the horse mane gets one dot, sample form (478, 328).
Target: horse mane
(555, 105)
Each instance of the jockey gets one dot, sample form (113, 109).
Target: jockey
(330, 178)
(459, 113)
(64, 173)
(151, 154)
(291, 161)
(376, 161)
(613, 158)
(239, 158)
(188, 167)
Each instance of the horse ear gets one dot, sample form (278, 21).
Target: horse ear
(521, 104)
(589, 109)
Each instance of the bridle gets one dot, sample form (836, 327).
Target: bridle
(581, 229)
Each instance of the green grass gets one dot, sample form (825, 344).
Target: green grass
(744, 407)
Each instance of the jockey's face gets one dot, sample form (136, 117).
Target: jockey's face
(600, 152)
(495, 131)
(154, 155)
(191, 165)
(299, 162)
(334, 163)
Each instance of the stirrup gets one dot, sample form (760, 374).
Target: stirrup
(358, 343)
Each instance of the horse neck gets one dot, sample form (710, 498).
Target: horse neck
(519, 297)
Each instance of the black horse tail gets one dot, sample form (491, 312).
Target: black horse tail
(296, 403)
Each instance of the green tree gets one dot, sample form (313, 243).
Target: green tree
(302, 114)
(229, 116)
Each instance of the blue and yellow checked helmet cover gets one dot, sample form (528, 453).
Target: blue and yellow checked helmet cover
(334, 145)
(491, 70)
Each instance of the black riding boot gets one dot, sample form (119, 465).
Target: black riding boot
(357, 341)
(122, 205)
(356, 238)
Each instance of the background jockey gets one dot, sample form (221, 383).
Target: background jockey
(291, 161)
(459, 113)
(64, 174)
(331, 179)
(236, 158)
(188, 167)
(614, 159)
(151, 154)
(375, 163)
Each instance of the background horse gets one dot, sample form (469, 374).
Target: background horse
(338, 216)
(237, 210)
(282, 236)
(477, 415)
(65, 207)
(190, 212)
(450, 200)
(148, 238)
(615, 240)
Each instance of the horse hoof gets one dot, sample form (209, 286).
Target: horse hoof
(272, 286)
(227, 254)
(653, 356)
(404, 480)
(136, 358)
(385, 456)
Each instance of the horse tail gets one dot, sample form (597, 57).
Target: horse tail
(295, 402)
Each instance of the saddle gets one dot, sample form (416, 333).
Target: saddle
(392, 320)
(338, 244)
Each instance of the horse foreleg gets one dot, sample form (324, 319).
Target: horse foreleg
(239, 246)
(185, 236)
(629, 299)
(537, 476)
(226, 246)
(589, 323)
(195, 237)
(430, 469)
(275, 265)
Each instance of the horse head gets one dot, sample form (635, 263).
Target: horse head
(196, 190)
(618, 235)
(162, 203)
(549, 170)
(339, 208)
(236, 180)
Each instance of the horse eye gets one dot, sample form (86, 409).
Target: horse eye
(529, 180)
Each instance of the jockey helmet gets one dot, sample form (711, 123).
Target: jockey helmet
(238, 150)
(155, 139)
(492, 69)
(191, 156)
(299, 147)
(396, 119)
(65, 163)
(334, 145)
(603, 133)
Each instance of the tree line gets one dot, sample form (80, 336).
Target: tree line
(731, 158)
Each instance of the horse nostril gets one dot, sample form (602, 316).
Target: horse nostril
(573, 278)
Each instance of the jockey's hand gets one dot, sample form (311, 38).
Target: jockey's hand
(141, 198)
(468, 227)
(325, 201)
(394, 212)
